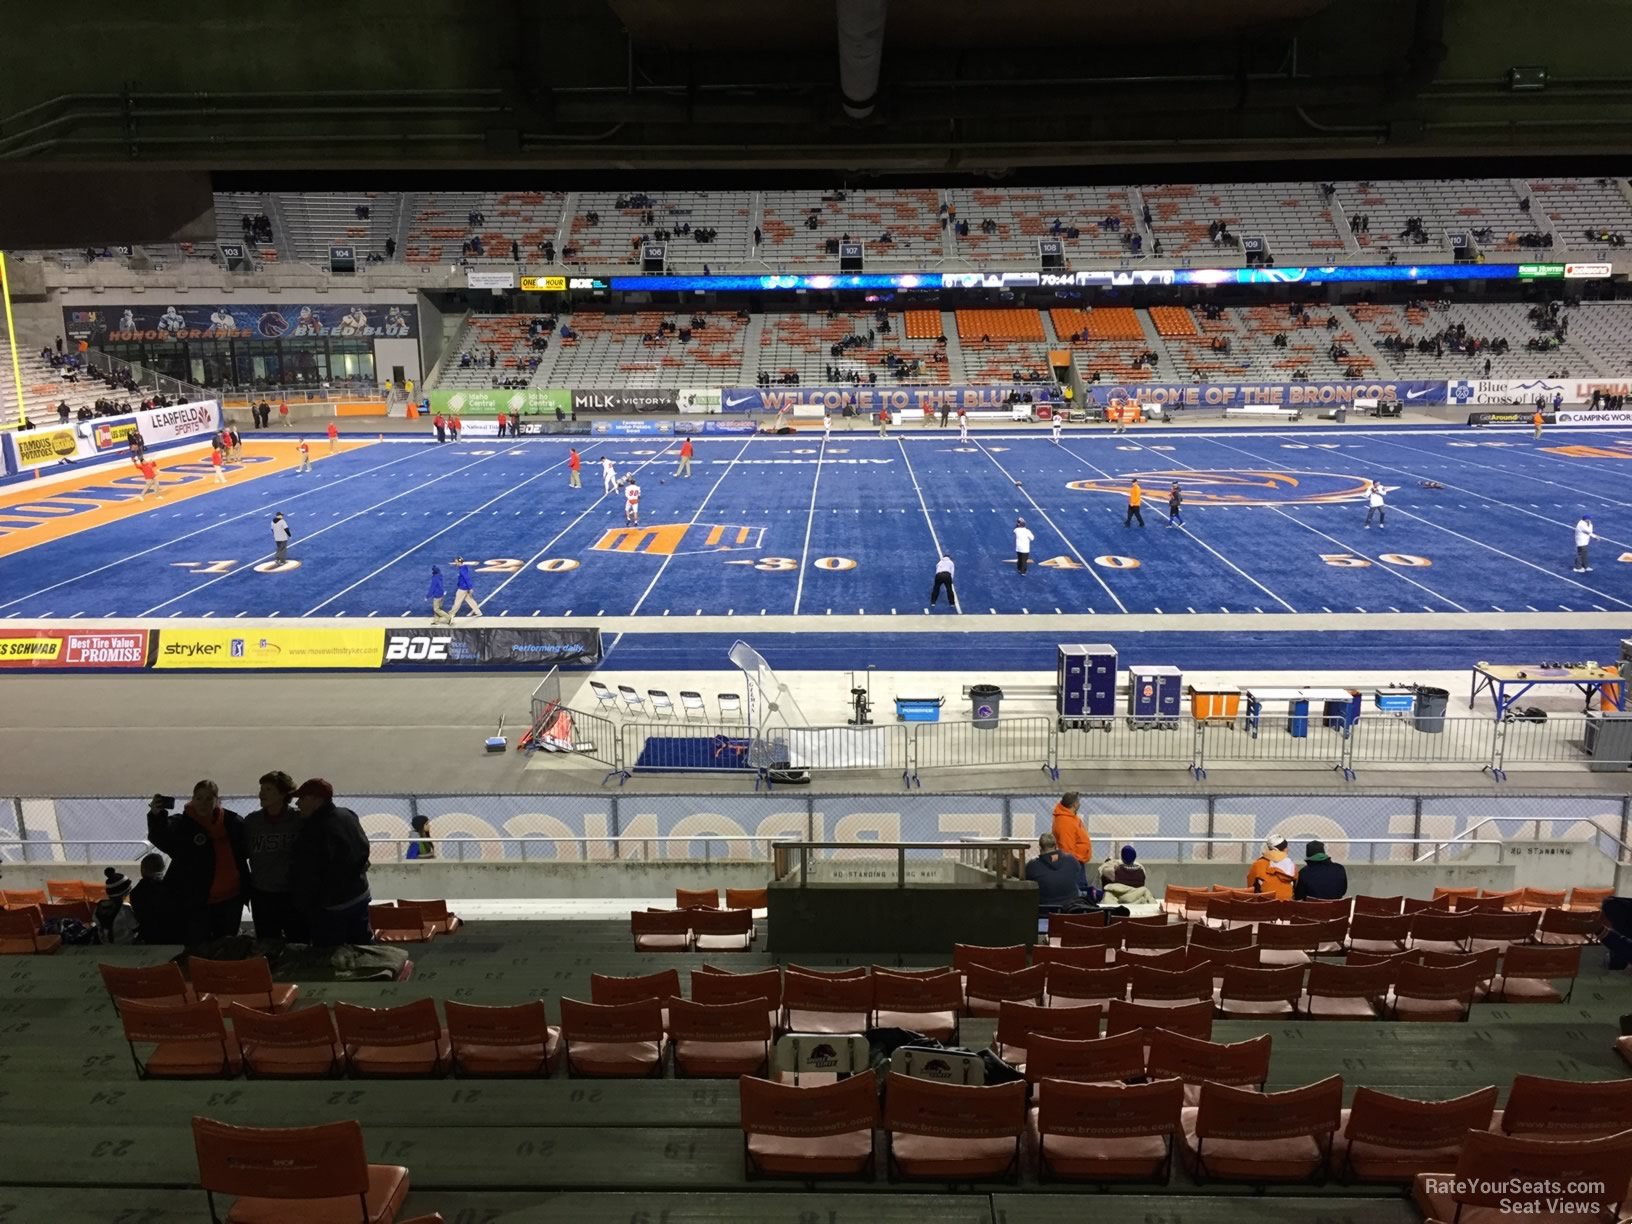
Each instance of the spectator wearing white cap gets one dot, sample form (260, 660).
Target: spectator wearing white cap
(1273, 873)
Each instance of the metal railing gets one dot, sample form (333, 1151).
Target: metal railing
(1616, 848)
(682, 745)
(1002, 859)
(146, 379)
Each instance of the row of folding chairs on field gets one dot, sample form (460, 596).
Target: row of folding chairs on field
(657, 704)
(1196, 902)
(1293, 938)
(1117, 1115)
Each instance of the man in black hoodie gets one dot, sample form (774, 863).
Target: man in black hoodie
(329, 872)
(209, 866)
(1056, 874)
(1321, 879)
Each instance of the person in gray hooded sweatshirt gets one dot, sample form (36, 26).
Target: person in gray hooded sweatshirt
(270, 832)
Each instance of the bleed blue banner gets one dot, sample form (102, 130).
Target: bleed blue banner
(1277, 395)
(862, 400)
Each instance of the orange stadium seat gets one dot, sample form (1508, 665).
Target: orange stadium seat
(1588, 898)
(301, 1044)
(1248, 994)
(756, 899)
(1565, 1109)
(1069, 986)
(1087, 956)
(1568, 926)
(1190, 1019)
(816, 1132)
(1173, 321)
(720, 1039)
(812, 1004)
(435, 914)
(1102, 1060)
(20, 933)
(1173, 960)
(1528, 974)
(314, 1174)
(1193, 1060)
(710, 985)
(404, 1041)
(1008, 958)
(1387, 1138)
(1384, 906)
(660, 930)
(985, 989)
(1164, 988)
(512, 1041)
(1018, 1023)
(147, 984)
(621, 1040)
(1435, 932)
(1479, 1189)
(1148, 937)
(953, 1132)
(730, 930)
(1347, 991)
(696, 898)
(926, 1003)
(21, 898)
(1102, 1132)
(1499, 929)
(1433, 992)
(661, 987)
(248, 982)
(188, 1042)
(1211, 938)
(1237, 1134)
(393, 924)
(1379, 933)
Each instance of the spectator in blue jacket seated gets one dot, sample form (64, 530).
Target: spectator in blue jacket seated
(1321, 879)
(1057, 875)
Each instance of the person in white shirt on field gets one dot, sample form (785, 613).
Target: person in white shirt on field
(1022, 544)
(609, 476)
(1584, 535)
(944, 571)
(963, 425)
(827, 425)
(631, 503)
(1375, 505)
(1057, 425)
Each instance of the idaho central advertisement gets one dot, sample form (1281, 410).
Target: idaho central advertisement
(264, 648)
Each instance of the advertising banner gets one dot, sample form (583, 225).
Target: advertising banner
(699, 399)
(727, 427)
(436, 647)
(102, 325)
(634, 429)
(266, 648)
(62, 649)
(475, 279)
(38, 447)
(1222, 395)
(112, 435)
(478, 401)
(632, 400)
(1601, 416)
(867, 400)
(1517, 417)
(1505, 390)
(179, 422)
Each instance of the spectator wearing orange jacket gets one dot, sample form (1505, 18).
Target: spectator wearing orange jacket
(1273, 873)
(1070, 831)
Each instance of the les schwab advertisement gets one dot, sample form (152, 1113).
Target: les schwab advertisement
(73, 649)
(268, 649)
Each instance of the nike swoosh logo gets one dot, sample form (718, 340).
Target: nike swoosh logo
(731, 401)
(1410, 395)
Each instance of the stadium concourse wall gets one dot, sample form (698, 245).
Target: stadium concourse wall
(602, 845)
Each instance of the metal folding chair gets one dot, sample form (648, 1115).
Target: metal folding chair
(692, 704)
(633, 702)
(730, 707)
(662, 707)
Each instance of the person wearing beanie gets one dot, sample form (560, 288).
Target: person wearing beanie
(270, 831)
(1123, 878)
(157, 918)
(1273, 873)
(209, 861)
(436, 593)
(1321, 879)
(424, 847)
(329, 875)
(115, 921)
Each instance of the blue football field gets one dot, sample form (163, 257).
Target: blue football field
(1478, 522)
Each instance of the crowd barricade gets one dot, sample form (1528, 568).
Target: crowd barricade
(1027, 740)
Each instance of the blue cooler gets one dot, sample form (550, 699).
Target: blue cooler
(918, 709)
(1394, 700)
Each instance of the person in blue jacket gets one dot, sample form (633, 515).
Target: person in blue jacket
(436, 594)
(464, 592)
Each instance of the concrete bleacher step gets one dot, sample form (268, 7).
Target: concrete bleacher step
(1362, 342)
